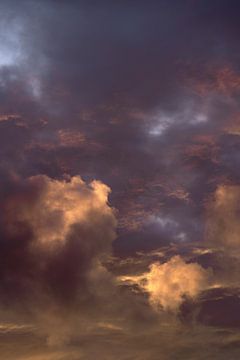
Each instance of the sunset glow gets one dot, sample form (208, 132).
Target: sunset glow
(119, 180)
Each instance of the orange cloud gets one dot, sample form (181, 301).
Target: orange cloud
(70, 138)
(222, 80)
(169, 283)
(61, 204)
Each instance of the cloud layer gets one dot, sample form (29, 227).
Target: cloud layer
(144, 97)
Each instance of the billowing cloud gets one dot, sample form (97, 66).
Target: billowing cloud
(54, 236)
(60, 205)
(169, 283)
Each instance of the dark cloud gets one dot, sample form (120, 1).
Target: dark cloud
(143, 96)
(217, 308)
(54, 235)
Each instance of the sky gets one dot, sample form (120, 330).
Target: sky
(119, 180)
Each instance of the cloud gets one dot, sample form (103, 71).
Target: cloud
(137, 107)
(60, 205)
(223, 80)
(168, 284)
(55, 235)
(223, 226)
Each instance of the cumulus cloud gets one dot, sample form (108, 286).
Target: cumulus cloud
(223, 227)
(55, 235)
(60, 205)
(168, 284)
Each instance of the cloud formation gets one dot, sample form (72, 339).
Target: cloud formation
(143, 96)
(55, 235)
(170, 283)
(59, 206)
(223, 227)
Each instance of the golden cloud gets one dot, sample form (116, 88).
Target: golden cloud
(55, 236)
(60, 205)
(169, 283)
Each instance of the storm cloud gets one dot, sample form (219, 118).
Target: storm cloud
(141, 98)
